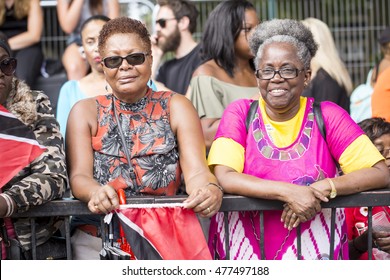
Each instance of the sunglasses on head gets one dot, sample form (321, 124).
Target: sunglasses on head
(132, 59)
(163, 21)
(8, 66)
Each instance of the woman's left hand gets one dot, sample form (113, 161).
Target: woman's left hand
(205, 201)
(289, 218)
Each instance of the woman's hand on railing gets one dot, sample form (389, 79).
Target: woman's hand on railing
(103, 200)
(206, 201)
(302, 206)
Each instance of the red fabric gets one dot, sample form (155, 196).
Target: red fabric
(357, 222)
(18, 146)
(168, 233)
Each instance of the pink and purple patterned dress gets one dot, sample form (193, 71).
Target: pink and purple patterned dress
(308, 159)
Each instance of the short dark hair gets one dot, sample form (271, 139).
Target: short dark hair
(182, 8)
(124, 25)
(221, 30)
(92, 18)
(375, 127)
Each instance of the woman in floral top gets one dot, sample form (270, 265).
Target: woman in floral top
(159, 132)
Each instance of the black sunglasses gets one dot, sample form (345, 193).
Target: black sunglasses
(163, 21)
(132, 59)
(8, 66)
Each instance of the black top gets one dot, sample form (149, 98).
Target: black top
(12, 26)
(176, 74)
(324, 88)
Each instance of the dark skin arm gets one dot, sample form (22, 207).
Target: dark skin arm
(80, 128)
(359, 245)
(209, 128)
(185, 124)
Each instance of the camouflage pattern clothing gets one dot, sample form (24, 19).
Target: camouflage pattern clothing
(45, 178)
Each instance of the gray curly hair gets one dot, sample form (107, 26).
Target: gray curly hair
(287, 31)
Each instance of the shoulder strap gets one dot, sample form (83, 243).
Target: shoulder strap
(250, 116)
(319, 118)
(321, 126)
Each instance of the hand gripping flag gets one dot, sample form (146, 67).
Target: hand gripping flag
(18, 146)
(163, 232)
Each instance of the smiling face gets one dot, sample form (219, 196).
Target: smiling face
(90, 36)
(5, 81)
(128, 82)
(282, 96)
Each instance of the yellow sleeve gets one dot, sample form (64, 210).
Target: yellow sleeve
(225, 151)
(361, 153)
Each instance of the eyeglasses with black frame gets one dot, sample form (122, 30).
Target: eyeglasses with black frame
(163, 21)
(133, 59)
(285, 73)
(8, 66)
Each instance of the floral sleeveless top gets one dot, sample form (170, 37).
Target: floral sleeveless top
(149, 138)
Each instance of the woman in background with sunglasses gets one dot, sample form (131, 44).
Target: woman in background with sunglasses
(45, 178)
(134, 138)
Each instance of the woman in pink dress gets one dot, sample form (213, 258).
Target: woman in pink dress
(284, 157)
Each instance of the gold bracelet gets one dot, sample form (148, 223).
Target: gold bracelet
(218, 186)
(333, 192)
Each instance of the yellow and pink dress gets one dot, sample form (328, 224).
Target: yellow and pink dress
(293, 151)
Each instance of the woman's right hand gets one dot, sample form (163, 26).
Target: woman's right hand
(103, 200)
(303, 205)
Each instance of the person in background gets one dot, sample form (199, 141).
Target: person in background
(362, 96)
(227, 73)
(92, 84)
(22, 22)
(378, 130)
(95, 82)
(45, 178)
(175, 25)
(133, 138)
(71, 15)
(380, 100)
(282, 155)
(384, 63)
(330, 79)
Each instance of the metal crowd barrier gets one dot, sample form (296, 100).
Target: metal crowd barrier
(68, 207)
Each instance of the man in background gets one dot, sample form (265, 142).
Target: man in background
(175, 25)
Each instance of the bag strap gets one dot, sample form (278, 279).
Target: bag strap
(319, 119)
(125, 148)
(321, 126)
(251, 114)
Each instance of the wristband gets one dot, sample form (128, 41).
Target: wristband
(216, 185)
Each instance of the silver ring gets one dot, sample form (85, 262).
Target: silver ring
(208, 208)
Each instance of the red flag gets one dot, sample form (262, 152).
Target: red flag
(18, 146)
(164, 232)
